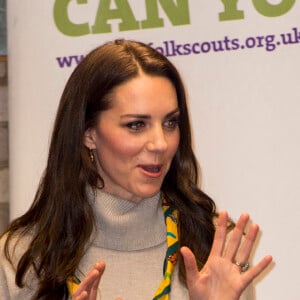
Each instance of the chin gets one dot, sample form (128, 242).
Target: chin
(148, 193)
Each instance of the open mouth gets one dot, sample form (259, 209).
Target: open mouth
(155, 169)
(152, 169)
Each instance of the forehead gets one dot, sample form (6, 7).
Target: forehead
(145, 92)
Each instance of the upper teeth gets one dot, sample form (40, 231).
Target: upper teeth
(151, 169)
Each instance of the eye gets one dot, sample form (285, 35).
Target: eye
(171, 123)
(135, 125)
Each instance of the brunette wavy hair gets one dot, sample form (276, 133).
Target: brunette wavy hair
(60, 220)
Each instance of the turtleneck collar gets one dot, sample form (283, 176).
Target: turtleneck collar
(127, 226)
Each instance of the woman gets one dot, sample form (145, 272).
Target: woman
(121, 173)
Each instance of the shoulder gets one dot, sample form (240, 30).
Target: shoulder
(16, 248)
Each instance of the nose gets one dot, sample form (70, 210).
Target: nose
(157, 140)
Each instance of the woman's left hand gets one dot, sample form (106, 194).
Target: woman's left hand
(222, 276)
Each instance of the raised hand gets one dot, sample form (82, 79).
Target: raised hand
(88, 288)
(222, 276)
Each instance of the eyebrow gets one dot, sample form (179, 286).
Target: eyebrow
(144, 116)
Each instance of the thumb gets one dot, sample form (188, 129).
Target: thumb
(190, 264)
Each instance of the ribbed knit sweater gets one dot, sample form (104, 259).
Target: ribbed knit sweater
(131, 239)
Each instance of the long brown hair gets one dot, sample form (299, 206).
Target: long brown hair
(60, 220)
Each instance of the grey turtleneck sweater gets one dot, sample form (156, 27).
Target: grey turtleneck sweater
(131, 239)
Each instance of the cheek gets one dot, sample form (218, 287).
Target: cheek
(118, 146)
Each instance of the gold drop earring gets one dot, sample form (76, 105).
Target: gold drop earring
(91, 155)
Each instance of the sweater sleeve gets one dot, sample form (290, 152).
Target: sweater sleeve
(8, 288)
(7, 274)
(4, 290)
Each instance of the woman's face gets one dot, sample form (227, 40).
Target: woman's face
(136, 139)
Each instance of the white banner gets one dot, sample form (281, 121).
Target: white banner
(241, 65)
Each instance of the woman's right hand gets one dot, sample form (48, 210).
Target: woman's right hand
(89, 287)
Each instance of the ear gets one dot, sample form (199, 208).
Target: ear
(89, 138)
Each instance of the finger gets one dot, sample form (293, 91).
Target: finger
(95, 286)
(247, 244)
(100, 266)
(236, 237)
(220, 234)
(257, 269)
(189, 263)
(83, 296)
(91, 281)
(86, 285)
